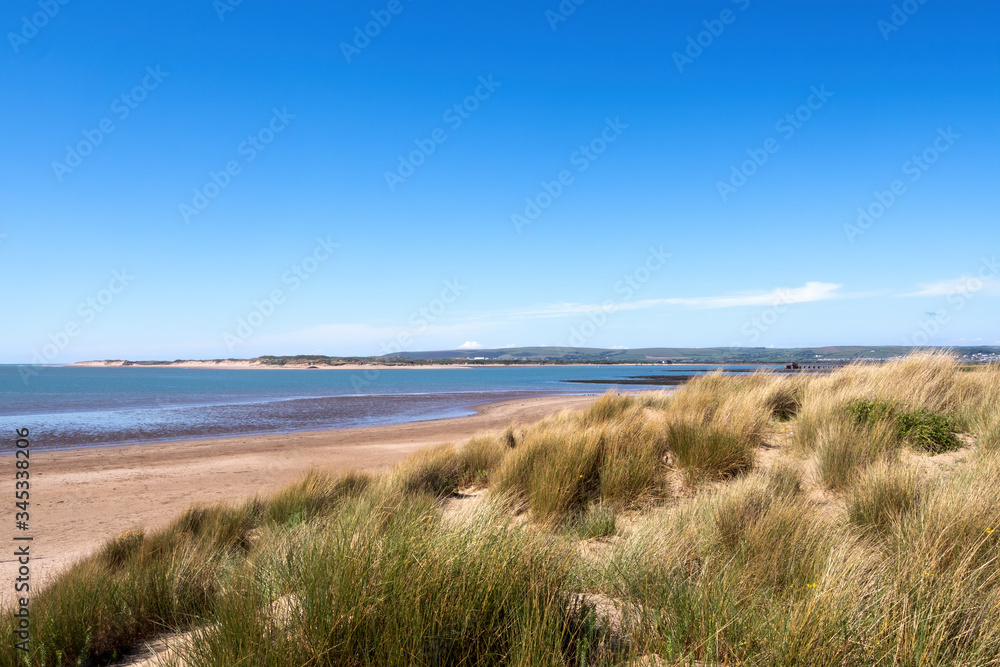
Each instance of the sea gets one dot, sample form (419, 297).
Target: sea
(84, 406)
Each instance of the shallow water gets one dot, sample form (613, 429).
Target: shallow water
(87, 406)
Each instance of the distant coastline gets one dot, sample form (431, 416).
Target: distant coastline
(256, 364)
(571, 356)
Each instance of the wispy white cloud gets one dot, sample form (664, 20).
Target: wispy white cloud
(962, 285)
(811, 291)
(470, 326)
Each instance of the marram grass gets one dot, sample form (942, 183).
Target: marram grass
(757, 520)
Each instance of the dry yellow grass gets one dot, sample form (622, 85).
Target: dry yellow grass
(830, 547)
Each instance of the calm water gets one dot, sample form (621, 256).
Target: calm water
(84, 406)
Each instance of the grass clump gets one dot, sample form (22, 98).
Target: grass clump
(785, 399)
(847, 449)
(481, 592)
(597, 520)
(712, 451)
(316, 494)
(481, 455)
(555, 470)
(785, 481)
(435, 471)
(883, 495)
(560, 466)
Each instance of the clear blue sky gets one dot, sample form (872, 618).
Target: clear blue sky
(311, 120)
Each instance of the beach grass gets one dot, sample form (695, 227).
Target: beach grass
(766, 519)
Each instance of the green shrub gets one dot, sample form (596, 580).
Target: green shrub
(921, 428)
(928, 431)
(868, 412)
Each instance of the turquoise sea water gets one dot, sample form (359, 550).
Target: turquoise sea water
(90, 406)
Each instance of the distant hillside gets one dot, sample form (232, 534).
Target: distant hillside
(685, 354)
(579, 355)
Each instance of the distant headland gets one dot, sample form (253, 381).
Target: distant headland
(516, 356)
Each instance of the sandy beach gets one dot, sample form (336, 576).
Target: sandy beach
(82, 497)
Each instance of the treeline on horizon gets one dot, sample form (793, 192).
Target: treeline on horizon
(575, 355)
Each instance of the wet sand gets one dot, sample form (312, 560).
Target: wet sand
(82, 497)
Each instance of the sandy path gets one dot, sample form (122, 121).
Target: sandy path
(80, 498)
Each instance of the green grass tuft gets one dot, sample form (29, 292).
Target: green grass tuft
(597, 520)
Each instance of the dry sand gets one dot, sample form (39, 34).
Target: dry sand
(81, 498)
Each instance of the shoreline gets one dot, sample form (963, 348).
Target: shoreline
(82, 497)
(473, 410)
(230, 364)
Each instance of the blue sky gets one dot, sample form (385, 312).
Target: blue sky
(194, 179)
